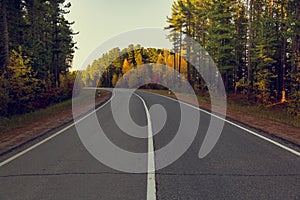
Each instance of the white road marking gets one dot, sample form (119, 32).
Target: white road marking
(236, 125)
(52, 136)
(151, 184)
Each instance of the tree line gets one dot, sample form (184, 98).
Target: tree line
(36, 52)
(113, 65)
(254, 43)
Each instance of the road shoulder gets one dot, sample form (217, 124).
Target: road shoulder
(286, 133)
(12, 140)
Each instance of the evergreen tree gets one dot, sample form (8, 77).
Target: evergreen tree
(4, 57)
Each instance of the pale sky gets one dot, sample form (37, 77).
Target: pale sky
(100, 20)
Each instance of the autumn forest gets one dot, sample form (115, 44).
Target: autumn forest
(254, 44)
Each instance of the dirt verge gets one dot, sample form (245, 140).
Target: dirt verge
(280, 130)
(13, 139)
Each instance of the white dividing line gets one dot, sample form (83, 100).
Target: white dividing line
(151, 185)
(236, 125)
(52, 136)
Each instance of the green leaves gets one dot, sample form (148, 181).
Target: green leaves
(38, 43)
(23, 88)
(254, 41)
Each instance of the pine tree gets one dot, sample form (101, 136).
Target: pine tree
(221, 38)
(240, 42)
(176, 22)
(293, 20)
(4, 57)
(130, 55)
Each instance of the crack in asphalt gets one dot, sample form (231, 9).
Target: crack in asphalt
(161, 174)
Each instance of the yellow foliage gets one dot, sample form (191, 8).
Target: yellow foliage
(126, 67)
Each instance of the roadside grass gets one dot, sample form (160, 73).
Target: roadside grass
(239, 103)
(18, 121)
(276, 113)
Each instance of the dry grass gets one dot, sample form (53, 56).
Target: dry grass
(277, 113)
(240, 103)
(18, 121)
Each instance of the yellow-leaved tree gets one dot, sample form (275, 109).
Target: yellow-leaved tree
(24, 87)
(126, 66)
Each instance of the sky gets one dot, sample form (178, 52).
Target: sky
(99, 20)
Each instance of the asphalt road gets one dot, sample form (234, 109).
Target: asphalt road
(240, 166)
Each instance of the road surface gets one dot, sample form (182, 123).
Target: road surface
(240, 166)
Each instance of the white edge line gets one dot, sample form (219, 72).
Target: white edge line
(52, 136)
(236, 125)
(151, 185)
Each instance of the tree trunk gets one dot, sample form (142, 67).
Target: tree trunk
(5, 35)
(296, 44)
(180, 49)
(174, 61)
(283, 54)
(250, 81)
